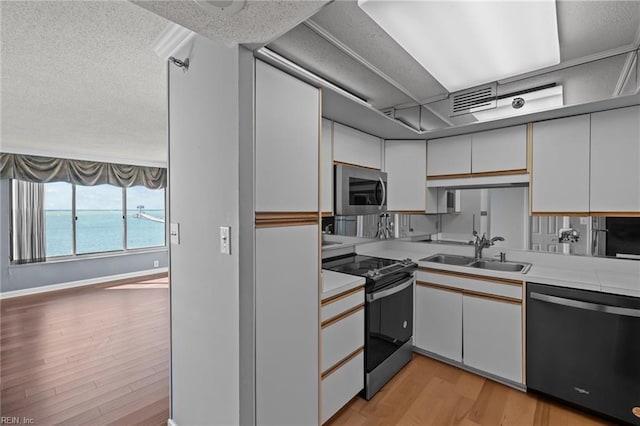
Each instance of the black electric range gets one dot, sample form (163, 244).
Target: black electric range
(378, 271)
(388, 313)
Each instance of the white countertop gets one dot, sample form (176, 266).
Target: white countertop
(335, 283)
(595, 274)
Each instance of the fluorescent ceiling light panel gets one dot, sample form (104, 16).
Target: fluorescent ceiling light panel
(467, 43)
(541, 100)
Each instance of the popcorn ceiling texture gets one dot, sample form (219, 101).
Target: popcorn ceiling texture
(258, 22)
(79, 80)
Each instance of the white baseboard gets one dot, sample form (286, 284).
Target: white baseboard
(80, 283)
(171, 422)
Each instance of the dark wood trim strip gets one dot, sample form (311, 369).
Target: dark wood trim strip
(438, 286)
(500, 173)
(337, 366)
(327, 214)
(451, 176)
(472, 293)
(492, 297)
(279, 219)
(340, 317)
(560, 213)
(472, 276)
(342, 163)
(409, 211)
(616, 214)
(342, 295)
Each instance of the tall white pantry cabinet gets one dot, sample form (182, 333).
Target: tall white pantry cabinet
(287, 130)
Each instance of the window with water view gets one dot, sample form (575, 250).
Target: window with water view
(101, 219)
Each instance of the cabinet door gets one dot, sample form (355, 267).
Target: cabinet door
(287, 325)
(354, 147)
(287, 130)
(326, 162)
(406, 166)
(560, 181)
(438, 326)
(493, 336)
(615, 160)
(499, 150)
(449, 156)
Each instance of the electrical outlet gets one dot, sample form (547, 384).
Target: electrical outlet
(156, 263)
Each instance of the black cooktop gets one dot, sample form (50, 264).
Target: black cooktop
(357, 265)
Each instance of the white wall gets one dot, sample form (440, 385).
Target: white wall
(203, 193)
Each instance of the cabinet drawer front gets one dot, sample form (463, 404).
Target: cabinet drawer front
(342, 338)
(342, 385)
(341, 305)
(480, 285)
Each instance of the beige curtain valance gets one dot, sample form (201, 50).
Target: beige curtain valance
(32, 168)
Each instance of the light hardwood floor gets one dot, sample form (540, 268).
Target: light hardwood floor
(429, 392)
(94, 355)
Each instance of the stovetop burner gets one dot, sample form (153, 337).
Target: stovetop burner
(373, 268)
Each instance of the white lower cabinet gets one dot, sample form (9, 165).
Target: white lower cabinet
(340, 386)
(438, 327)
(287, 325)
(474, 320)
(342, 350)
(493, 336)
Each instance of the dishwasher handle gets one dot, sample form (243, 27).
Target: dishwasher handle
(578, 304)
(390, 291)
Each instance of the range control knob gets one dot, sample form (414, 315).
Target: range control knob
(373, 273)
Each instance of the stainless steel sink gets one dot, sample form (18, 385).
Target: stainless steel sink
(495, 265)
(449, 259)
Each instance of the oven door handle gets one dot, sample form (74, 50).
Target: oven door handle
(616, 310)
(390, 291)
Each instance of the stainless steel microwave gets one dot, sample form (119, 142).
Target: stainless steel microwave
(359, 191)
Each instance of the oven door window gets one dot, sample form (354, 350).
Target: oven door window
(364, 192)
(389, 324)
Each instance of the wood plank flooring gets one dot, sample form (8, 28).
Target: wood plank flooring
(93, 355)
(429, 392)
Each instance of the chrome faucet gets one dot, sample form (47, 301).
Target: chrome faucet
(483, 242)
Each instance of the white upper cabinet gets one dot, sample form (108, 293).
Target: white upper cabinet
(615, 160)
(354, 147)
(449, 156)
(326, 164)
(406, 166)
(560, 173)
(287, 131)
(499, 150)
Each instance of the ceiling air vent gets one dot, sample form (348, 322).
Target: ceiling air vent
(471, 100)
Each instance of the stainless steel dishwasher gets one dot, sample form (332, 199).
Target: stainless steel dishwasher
(584, 347)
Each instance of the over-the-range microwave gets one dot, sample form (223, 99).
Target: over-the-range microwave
(359, 191)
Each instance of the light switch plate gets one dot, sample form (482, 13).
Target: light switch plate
(225, 242)
(174, 233)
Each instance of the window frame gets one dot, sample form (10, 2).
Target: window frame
(74, 231)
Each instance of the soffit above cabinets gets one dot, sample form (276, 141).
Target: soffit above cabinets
(598, 40)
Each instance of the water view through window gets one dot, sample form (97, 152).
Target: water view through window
(100, 223)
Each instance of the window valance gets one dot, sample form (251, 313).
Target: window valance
(32, 168)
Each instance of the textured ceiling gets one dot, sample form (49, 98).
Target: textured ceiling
(588, 27)
(79, 79)
(259, 21)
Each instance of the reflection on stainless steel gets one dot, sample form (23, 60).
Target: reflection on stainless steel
(491, 264)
